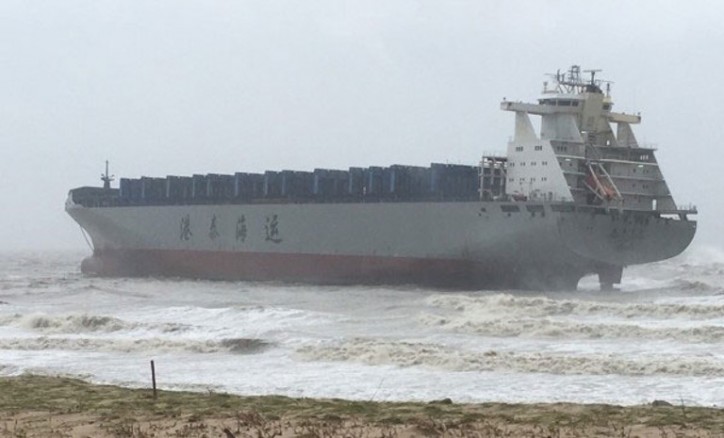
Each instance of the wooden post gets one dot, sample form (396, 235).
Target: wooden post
(153, 378)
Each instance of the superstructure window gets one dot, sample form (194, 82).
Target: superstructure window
(533, 163)
(539, 148)
(510, 208)
(519, 148)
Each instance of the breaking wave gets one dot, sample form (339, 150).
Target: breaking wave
(157, 345)
(73, 323)
(547, 328)
(684, 284)
(407, 354)
(82, 323)
(510, 305)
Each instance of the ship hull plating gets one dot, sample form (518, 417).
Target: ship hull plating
(447, 244)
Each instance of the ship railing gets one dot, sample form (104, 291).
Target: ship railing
(688, 207)
(681, 208)
(495, 154)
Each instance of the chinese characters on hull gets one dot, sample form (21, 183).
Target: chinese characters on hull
(241, 229)
(272, 229)
(213, 232)
(185, 228)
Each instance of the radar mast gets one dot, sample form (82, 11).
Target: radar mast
(106, 178)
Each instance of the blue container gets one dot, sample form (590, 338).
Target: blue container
(272, 184)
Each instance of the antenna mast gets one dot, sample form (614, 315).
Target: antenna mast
(106, 178)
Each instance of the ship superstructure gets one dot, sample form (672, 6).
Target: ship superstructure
(575, 198)
(585, 152)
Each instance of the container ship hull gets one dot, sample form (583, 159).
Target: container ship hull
(443, 244)
(578, 196)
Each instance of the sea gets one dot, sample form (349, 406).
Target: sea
(660, 337)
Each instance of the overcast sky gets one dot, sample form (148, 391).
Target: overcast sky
(180, 87)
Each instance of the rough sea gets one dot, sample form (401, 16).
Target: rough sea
(660, 337)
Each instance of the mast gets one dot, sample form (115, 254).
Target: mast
(106, 178)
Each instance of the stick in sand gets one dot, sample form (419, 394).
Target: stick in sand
(153, 378)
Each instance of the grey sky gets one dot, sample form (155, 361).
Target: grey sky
(181, 87)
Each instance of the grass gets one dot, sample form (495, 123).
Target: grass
(125, 412)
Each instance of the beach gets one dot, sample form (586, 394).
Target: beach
(43, 406)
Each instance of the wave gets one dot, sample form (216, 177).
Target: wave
(156, 345)
(73, 323)
(701, 255)
(82, 323)
(408, 354)
(8, 370)
(510, 305)
(548, 328)
(685, 284)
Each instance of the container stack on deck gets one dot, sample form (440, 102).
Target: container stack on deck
(296, 184)
(179, 188)
(439, 182)
(248, 186)
(455, 181)
(330, 184)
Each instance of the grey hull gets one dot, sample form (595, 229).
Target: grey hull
(460, 244)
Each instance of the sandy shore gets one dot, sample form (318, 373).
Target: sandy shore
(38, 406)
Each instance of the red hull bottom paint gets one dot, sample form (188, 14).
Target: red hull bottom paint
(313, 268)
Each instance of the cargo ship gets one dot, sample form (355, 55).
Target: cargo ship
(578, 196)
